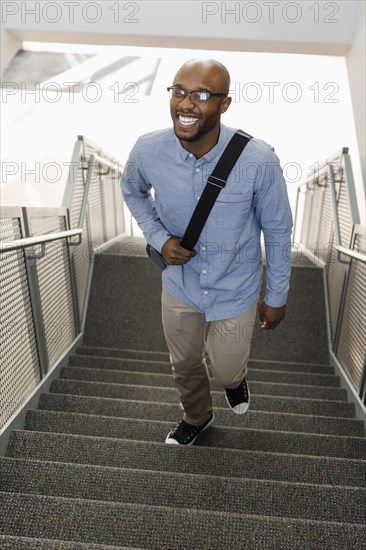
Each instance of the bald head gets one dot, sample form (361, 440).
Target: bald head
(209, 71)
(197, 121)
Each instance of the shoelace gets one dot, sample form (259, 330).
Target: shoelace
(183, 426)
(236, 393)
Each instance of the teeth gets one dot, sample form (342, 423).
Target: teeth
(187, 120)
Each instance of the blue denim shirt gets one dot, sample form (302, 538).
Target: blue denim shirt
(161, 185)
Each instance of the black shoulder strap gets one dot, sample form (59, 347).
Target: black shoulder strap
(216, 181)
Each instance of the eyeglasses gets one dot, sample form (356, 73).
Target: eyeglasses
(196, 96)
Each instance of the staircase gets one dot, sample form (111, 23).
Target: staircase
(90, 469)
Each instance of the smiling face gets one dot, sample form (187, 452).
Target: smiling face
(197, 125)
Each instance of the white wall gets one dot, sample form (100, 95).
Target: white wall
(299, 27)
(356, 62)
(299, 104)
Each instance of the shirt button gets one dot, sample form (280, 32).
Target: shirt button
(205, 293)
(203, 248)
(197, 170)
(204, 271)
(198, 197)
(190, 155)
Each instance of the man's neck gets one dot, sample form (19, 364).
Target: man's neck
(202, 146)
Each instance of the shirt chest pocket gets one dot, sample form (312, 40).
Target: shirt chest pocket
(231, 210)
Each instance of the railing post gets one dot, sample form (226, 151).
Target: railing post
(75, 300)
(35, 298)
(363, 382)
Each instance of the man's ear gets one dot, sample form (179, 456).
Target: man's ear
(225, 104)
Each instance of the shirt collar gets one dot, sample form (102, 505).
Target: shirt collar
(212, 153)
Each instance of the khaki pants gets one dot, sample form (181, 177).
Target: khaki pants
(193, 343)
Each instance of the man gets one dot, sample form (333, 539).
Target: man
(210, 294)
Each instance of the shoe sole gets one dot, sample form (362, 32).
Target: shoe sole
(175, 442)
(244, 405)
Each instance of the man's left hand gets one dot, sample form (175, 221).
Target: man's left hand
(270, 316)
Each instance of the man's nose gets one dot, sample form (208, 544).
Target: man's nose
(186, 102)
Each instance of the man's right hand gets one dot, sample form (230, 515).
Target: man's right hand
(174, 254)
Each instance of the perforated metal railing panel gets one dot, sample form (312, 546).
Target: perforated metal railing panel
(104, 217)
(20, 369)
(55, 288)
(33, 340)
(352, 341)
(345, 278)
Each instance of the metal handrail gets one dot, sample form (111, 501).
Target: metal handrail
(104, 162)
(107, 163)
(41, 239)
(299, 190)
(84, 201)
(352, 253)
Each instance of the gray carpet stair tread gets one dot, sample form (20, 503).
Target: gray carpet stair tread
(137, 325)
(150, 455)
(90, 469)
(92, 521)
(176, 490)
(223, 416)
(24, 543)
(152, 363)
(272, 403)
(294, 385)
(237, 438)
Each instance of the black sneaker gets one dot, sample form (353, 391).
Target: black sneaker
(238, 399)
(186, 434)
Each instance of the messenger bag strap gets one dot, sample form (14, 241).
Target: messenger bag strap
(215, 182)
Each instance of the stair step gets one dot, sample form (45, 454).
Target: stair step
(237, 438)
(151, 455)
(115, 523)
(123, 353)
(295, 389)
(162, 365)
(223, 416)
(176, 490)
(271, 403)
(152, 367)
(8, 542)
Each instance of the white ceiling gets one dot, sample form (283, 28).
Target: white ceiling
(320, 27)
